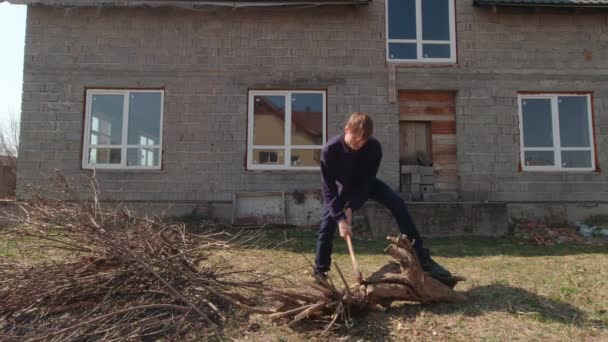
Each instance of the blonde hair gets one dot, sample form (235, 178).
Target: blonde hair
(360, 124)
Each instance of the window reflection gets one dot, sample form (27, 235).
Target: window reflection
(537, 123)
(104, 156)
(143, 157)
(307, 119)
(269, 120)
(144, 119)
(106, 119)
(268, 157)
(302, 157)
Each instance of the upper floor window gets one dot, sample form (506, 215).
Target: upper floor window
(556, 132)
(123, 129)
(421, 31)
(286, 130)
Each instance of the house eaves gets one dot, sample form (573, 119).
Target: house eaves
(544, 3)
(182, 3)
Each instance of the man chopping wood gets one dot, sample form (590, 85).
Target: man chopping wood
(349, 164)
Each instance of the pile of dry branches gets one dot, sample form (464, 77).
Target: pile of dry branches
(119, 276)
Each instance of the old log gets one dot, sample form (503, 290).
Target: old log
(401, 279)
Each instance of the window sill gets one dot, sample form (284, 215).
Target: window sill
(124, 170)
(283, 171)
(425, 65)
(583, 172)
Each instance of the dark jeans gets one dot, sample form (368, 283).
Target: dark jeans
(383, 194)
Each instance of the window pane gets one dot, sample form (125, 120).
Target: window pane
(268, 157)
(301, 157)
(402, 50)
(307, 119)
(539, 158)
(576, 159)
(573, 121)
(436, 50)
(143, 157)
(144, 119)
(106, 119)
(104, 156)
(435, 19)
(269, 120)
(401, 19)
(537, 123)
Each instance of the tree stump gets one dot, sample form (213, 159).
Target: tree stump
(402, 279)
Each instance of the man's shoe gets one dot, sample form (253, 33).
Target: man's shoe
(320, 277)
(434, 269)
(430, 266)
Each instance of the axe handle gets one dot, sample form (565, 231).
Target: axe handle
(351, 251)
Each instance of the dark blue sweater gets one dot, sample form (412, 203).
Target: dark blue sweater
(347, 174)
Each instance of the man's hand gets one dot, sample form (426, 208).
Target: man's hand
(345, 229)
(349, 216)
(346, 225)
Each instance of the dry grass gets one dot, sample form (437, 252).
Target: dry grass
(516, 292)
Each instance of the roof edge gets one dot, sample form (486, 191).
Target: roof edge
(515, 3)
(181, 4)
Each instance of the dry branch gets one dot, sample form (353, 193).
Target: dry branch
(116, 275)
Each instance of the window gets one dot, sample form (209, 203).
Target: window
(123, 129)
(556, 132)
(420, 31)
(268, 158)
(286, 130)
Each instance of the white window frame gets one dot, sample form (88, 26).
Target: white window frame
(557, 149)
(419, 41)
(286, 166)
(125, 131)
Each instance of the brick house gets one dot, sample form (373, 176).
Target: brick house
(223, 105)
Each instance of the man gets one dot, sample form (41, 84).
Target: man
(349, 164)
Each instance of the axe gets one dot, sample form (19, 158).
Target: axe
(351, 251)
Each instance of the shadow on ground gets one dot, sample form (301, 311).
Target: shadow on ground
(300, 240)
(513, 300)
(482, 300)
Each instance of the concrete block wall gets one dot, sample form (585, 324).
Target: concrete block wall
(442, 219)
(500, 54)
(206, 61)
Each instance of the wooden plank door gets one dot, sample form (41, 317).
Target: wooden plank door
(413, 137)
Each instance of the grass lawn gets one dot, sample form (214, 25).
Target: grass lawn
(516, 291)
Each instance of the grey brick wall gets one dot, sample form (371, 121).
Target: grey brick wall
(499, 55)
(207, 60)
